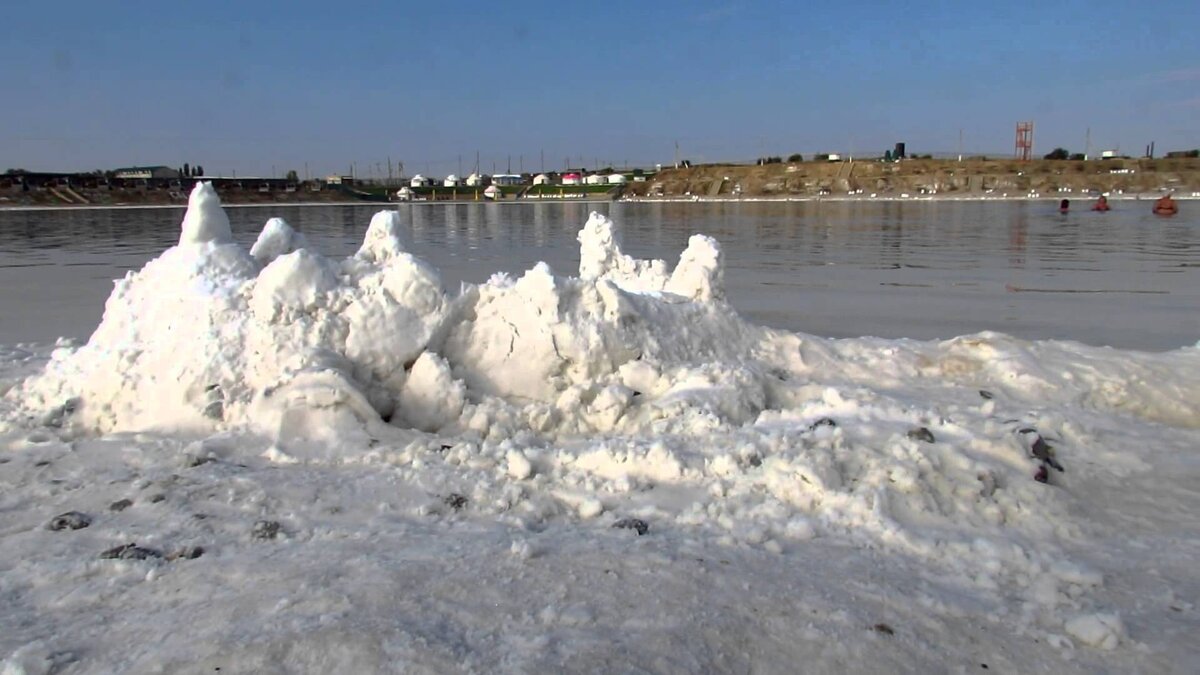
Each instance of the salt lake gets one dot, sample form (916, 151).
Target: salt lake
(921, 270)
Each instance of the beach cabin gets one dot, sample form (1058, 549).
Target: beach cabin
(541, 179)
(404, 194)
(474, 180)
(617, 179)
(451, 181)
(146, 172)
(596, 179)
(571, 179)
(419, 181)
(506, 179)
(493, 192)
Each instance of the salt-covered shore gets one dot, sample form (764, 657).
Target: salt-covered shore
(338, 465)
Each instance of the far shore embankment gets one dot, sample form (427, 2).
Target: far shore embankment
(921, 178)
(907, 180)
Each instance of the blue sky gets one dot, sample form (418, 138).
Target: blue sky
(262, 87)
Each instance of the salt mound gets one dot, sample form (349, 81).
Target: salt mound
(698, 276)
(277, 238)
(205, 221)
(207, 337)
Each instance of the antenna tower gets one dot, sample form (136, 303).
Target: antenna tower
(1024, 147)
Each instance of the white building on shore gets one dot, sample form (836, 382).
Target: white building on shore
(451, 181)
(419, 181)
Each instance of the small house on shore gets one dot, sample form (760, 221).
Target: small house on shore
(474, 180)
(541, 179)
(596, 179)
(571, 179)
(146, 172)
(617, 179)
(451, 181)
(404, 194)
(419, 181)
(506, 179)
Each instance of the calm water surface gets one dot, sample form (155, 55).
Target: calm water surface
(839, 269)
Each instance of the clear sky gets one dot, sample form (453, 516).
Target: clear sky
(259, 87)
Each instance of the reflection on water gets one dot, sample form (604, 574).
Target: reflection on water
(892, 269)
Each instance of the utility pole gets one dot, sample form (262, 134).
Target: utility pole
(1087, 144)
(676, 154)
(960, 145)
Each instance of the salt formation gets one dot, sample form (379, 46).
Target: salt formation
(699, 275)
(207, 337)
(276, 239)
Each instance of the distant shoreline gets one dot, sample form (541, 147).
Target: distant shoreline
(1085, 199)
(1180, 195)
(914, 198)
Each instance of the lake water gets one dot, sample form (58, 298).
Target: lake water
(840, 269)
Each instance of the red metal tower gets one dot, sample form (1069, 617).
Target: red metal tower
(1024, 150)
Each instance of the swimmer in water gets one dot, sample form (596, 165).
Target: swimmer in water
(1064, 206)
(1165, 206)
(1101, 204)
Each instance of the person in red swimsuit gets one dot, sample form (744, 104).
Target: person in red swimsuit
(1165, 206)
(1101, 204)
